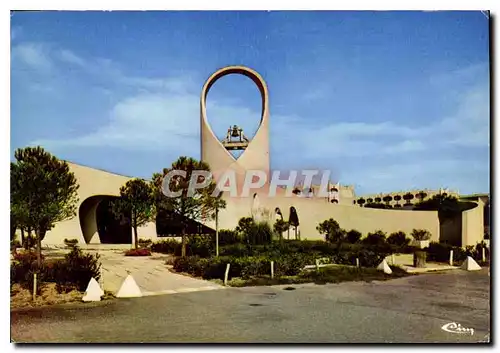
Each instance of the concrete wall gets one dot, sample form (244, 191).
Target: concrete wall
(313, 211)
(83, 227)
(473, 224)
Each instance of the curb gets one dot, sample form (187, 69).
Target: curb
(181, 290)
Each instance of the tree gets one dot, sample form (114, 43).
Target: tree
(353, 236)
(135, 205)
(408, 197)
(378, 199)
(211, 207)
(188, 204)
(376, 238)
(280, 226)
(331, 230)
(447, 206)
(398, 239)
(421, 195)
(387, 199)
(293, 220)
(361, 202)
(420, 234)
(369, 200)
(377, 205)
(45, 189)
(397, 198)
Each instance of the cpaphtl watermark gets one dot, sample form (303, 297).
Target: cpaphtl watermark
(252, 180)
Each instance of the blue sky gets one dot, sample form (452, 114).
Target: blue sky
(387, 101)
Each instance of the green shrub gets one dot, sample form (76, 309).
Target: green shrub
(169, 246)
(144, 243)
(253, 233)
(398, 239)
(420, 234)
(74, 271)
(238, 250)
(353, 236)
(229, 237)
(70, 241)
(77, 269)
(376, 238)
(293, 264)
(138, 252)
(440, 252)
(264, 233)
(200, 245)
(331, 230)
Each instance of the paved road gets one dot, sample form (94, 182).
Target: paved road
(411, 309)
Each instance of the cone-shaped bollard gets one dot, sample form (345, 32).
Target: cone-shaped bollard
(470, 265)
(94, 291)
(129, 289)
(384, 267)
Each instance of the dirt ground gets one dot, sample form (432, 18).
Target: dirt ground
(22, 298)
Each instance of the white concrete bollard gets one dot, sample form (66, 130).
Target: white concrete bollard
(451, 257)
(357, 262)
(34, 286)
(129, 289)
(272, 269)
(317, 265)
(226, 274)
(94, 292)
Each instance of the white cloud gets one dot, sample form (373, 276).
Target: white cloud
(70, 57)
(163, 115)
(34, 55)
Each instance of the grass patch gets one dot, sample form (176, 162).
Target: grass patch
(335, 274)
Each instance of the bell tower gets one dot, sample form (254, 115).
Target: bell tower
(216, 153)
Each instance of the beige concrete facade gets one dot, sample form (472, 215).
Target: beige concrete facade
(96, 185)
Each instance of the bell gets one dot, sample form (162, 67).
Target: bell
(235, 132)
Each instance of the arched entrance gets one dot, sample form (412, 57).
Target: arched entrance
(98, 223)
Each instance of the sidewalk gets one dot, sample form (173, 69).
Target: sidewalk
(405, 261)
(151, 273)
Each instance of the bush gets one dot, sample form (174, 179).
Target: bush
(420, 234)
(293, 264)
(376, 238)
(244, 267)
(229, 237)
(440, 252)
(169, 246)
(238, 250)
(70, 241)
(74, 271)
(200, 245)
(138, 252)
(77, 269)
(331, 230)
(353, 236)
(144, 243)
(398, 239)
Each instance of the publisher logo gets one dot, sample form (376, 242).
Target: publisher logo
(454, 327)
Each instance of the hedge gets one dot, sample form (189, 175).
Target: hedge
(440, 252)
(244, 267)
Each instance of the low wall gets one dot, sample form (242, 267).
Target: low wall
(311, 212)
